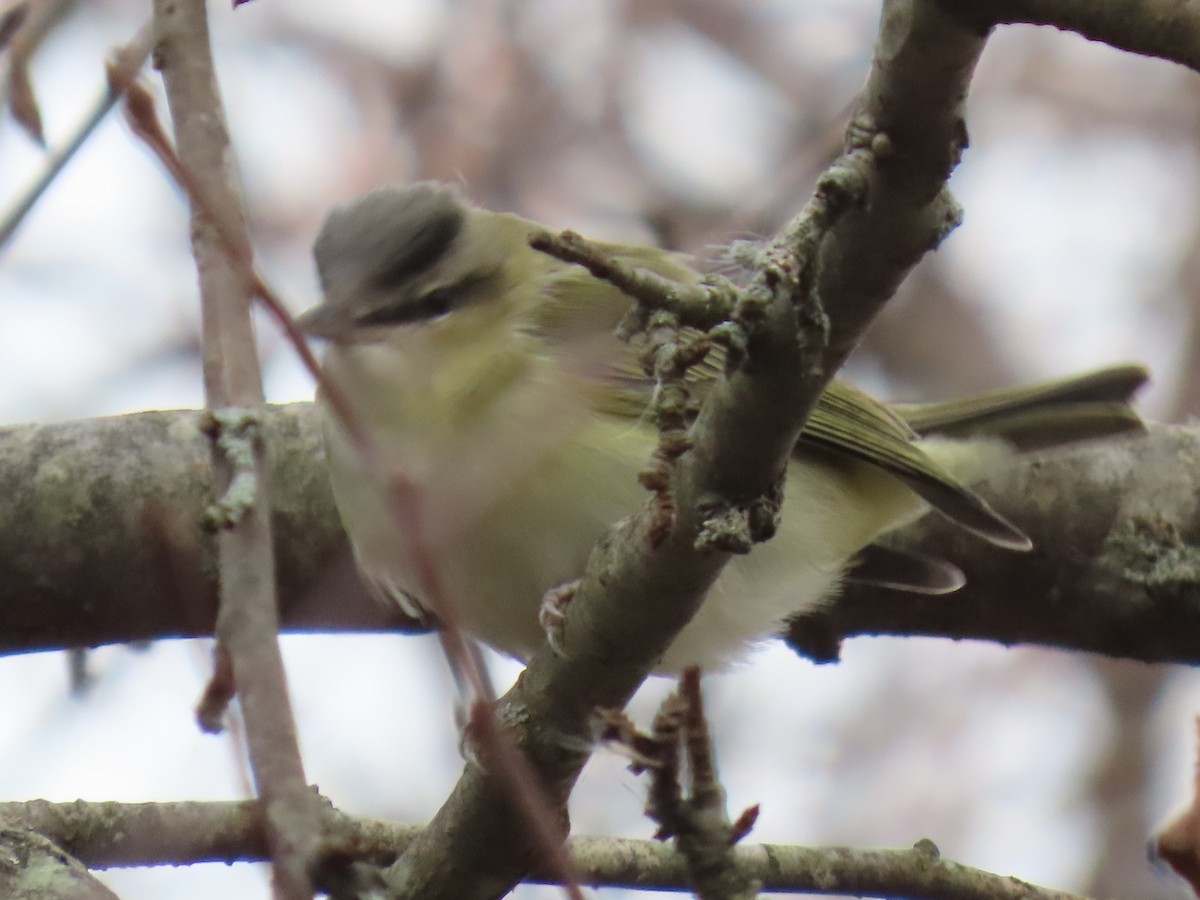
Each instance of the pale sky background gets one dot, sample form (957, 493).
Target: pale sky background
(974, 746)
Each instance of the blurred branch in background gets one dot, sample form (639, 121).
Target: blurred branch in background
(122, 68)
(27, 26)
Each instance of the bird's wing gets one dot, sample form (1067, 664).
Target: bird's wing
(846, 421)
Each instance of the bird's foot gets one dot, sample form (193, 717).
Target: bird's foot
(553, 613)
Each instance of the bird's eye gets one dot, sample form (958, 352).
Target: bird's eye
(434, 304)
(428, 306)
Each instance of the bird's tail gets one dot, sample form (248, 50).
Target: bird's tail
(1038, 416)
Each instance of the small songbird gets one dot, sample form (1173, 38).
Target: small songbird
(488, 378)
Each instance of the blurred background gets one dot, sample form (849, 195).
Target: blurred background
(681, 122)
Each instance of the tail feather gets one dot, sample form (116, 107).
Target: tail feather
(1040, 416)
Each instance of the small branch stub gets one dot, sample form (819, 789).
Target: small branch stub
(700, 305)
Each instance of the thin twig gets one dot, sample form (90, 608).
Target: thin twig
(1165, 29)
(142, 118)
(700, 305)
(122, 68)
(247, 622)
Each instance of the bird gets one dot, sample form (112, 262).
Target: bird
(490, 381)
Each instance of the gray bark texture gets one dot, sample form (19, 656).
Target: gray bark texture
(102, 534)
(102, 541)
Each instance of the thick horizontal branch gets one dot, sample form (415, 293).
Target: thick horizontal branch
(105, 835)
(101, 542)
(101, 535)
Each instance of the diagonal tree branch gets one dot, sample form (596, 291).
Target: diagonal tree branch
(879, 208)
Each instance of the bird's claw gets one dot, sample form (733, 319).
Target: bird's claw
(553, 613)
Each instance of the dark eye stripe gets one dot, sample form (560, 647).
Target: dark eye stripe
(431, 305)
(423, 246)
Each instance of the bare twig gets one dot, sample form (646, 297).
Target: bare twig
(475, 693)
(219, 691)
(24, 33)
(32, 28)
(534, 803)
(247, 625)
(107, 835)
(143, 120)
(123, 67)
(698, 305)
(495, 746)
(708, 841)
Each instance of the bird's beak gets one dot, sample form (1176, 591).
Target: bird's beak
(321, 321)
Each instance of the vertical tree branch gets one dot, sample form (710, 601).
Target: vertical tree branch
(247, 624)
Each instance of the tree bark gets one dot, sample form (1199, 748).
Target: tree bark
(101, 542)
